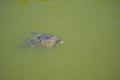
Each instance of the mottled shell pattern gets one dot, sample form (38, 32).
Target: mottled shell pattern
(44, 40)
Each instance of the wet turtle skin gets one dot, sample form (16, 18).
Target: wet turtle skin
(44, 40)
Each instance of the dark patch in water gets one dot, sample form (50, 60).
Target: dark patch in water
(25, 1)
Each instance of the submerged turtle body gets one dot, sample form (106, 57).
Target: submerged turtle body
(44, 40)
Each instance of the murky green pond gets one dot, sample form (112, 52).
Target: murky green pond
(90, 30)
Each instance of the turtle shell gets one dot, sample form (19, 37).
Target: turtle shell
(44, 40)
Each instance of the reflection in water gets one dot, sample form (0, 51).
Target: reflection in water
(42, 0)
(25, 1)
(34, 24)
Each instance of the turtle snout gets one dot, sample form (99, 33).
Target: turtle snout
(60, 41)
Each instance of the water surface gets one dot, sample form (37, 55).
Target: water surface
(90, 30)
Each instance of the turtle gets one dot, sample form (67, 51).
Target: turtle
(44, 40)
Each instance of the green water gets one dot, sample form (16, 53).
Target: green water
(90, 30)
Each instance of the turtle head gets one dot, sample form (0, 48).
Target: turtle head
(59, 41)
